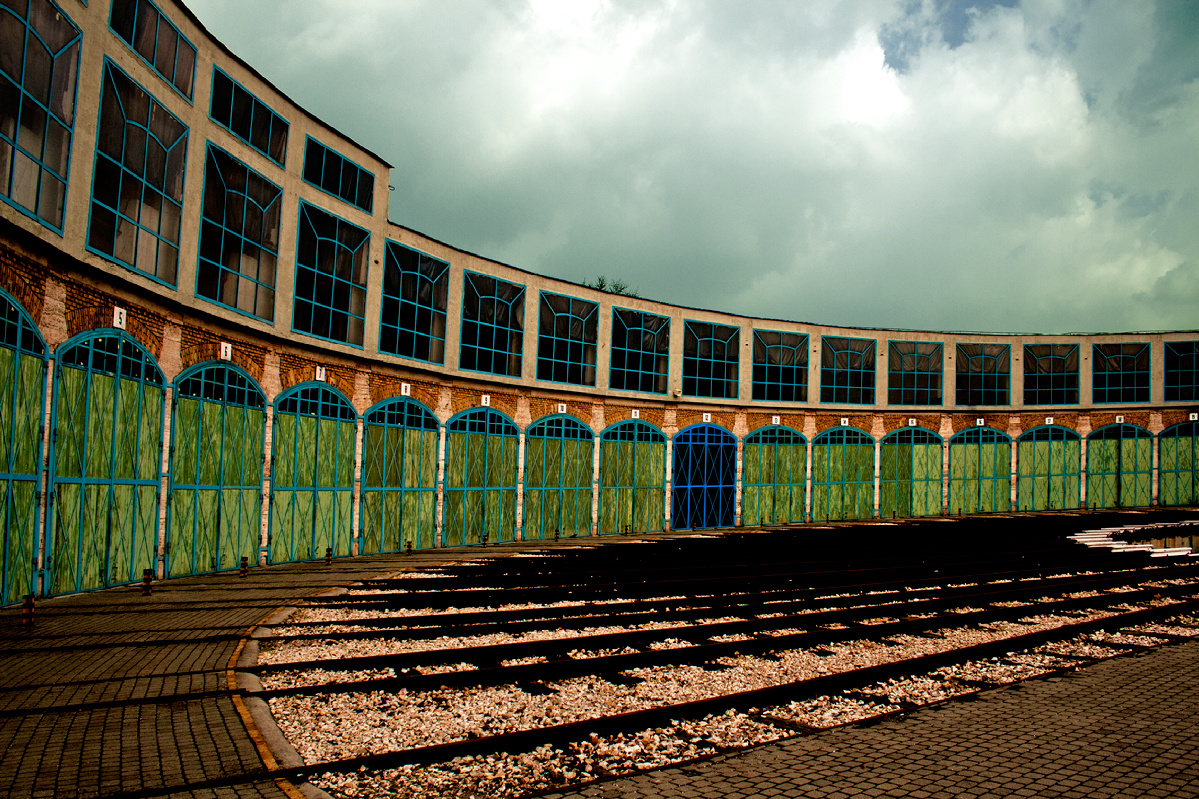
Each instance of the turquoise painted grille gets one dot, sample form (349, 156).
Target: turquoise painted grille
(480, 478)
(632, 478)
(558, 463)
(399, 477)
(1048, 469)
(910, 474)
(773, 476)
(980, 472)
(705, 478)
(842, 475)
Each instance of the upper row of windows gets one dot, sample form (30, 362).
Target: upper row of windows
(136, 215)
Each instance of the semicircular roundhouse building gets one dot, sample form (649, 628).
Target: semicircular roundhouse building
(215, 346)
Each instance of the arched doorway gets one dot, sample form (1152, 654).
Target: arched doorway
(705, 478)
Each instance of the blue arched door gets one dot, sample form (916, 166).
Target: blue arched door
(215, 506)
(22, 394)
(106, 464)
(705, 478)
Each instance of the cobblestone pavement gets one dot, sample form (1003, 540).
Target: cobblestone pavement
(111, 693)
(1125, 727)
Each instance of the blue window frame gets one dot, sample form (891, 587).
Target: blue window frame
(711, 360)
(137, 187)
(640, 354)
(338, 175)
(239, 236)
(247, 117)
(780, 366)
(1050, 374)
(39, 68)
(493, 325)
(157, 40)
(1120, 372)
(914, 372)
(331, 269)
(567, 333)
(413, 314)
(1182, 371)
(847, 370)
(984, 374)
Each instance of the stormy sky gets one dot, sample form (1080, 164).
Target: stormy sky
(943, 165)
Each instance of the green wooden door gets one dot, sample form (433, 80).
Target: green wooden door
(399, 477)
(22, 403)
(1119, 467)
(842, 475)
(774, 466)
(1048, 469)
(632, 478)
(106, 464)
(910, 474)
(1178, 465)
(980, 477)
(214, 515)
(559, 453)
(312, 474)
(480, 478)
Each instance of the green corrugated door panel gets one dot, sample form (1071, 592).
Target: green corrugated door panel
(374, 457)
(606, 521)
(145, 531)
(70, 427)
(418, 522)
(473, 519)
(455, 459)
(346, 433)
(836, 501)
(551, 517)
(23, 450)
(1168, 477)
(344, 524)
(374, 532)
(626, 500)
(475, 461)
(428, 443)
(93, 536)
(208, 472)
(126, 433)
(283, 472)
(534, 502)
(64, 548)
(20, 499)
(755, 505)
(535, 462)
(324, 529)
(122, 539)
(493, 504)
(236, 440)
(326, 453)
(1071, 474)
(651, 468)
(308, 452)
(403, 510)
(207, 512)
(1137, 460)
(406, 451)
(751, 464)
(100, 413)
(453, 519)
(8, 404)
(584, 462)
(508, 519)
(234, 532)
(819, 501)
(607, 470)
(283, 527)
(495, 463)
(300, 546)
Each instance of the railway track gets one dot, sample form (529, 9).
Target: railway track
(541, 671)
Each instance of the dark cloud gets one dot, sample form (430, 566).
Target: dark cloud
(942, 165)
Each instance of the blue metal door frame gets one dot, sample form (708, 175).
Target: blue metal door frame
(228, 446)
(105, 476)
(399, 477)
(704, 485)
(21, 415)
